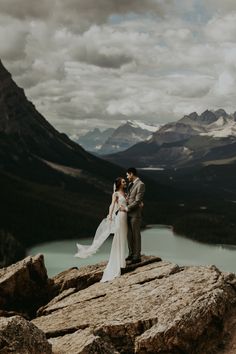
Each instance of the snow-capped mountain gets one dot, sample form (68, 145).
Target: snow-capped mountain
(216, 124)
(222, 128)
(113, 140)
(194, 139)
(93, 140)
(127, 135)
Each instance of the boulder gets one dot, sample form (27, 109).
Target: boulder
(156, 308)
(82, 342)
(78, 278)
(24, 286)
(22, 337)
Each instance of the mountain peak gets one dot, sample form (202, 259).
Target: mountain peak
(193, 115)
(220, 113)
(208, 117)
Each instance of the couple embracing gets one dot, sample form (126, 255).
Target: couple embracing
(124, 221)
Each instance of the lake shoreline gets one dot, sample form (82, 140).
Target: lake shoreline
(158, 240)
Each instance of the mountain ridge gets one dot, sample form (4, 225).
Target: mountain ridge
(188, 141)
(23, 127)
(113, 140)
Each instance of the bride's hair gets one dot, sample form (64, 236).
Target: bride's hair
(117, 183)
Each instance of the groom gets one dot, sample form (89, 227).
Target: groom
(136, 189)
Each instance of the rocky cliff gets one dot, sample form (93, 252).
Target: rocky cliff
(155, 307)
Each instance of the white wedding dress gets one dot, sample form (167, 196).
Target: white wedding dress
(119, 227)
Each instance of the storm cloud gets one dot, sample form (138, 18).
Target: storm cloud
(87, 63)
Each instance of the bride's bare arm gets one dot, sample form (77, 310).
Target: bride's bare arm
(112, 206)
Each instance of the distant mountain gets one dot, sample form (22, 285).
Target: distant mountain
(127, 135)
(93, 140)
(194, 139)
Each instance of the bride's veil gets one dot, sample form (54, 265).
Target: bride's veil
(103, 231)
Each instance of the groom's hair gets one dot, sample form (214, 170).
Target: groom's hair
(132, 170)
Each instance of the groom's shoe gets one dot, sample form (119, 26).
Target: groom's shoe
(129, 262)
(136, 260)
(129, 258)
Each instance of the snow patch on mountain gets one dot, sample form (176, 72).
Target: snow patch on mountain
(142, 125)
(222, 128)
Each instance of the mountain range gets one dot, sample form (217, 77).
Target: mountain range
(208, 138)
(112, 140)
(195, 156)
(93, 140)
(51, 188)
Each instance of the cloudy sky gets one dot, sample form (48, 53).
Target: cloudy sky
(95, 63)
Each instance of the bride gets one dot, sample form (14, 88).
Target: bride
(116, 223)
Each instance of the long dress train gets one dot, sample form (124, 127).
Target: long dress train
(118, 226)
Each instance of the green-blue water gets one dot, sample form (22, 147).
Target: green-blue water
(158, 240)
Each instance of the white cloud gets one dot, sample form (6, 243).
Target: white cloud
(225, 84)
(222, 28)
(13, 38)
(87, 62)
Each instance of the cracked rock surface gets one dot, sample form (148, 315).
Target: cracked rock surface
(158, 307)
(21, 337)
(153, 307)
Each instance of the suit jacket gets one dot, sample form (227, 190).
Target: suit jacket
(134, 198)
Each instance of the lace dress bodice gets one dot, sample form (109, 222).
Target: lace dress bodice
(120, 200)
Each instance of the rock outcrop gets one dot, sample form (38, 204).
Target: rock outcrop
(21, 337)
(158, 307)
(24, 286)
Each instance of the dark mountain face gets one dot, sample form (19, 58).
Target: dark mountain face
(173, 132)
(207, 117)
(51, 187)
(26, 134)
(220, 113)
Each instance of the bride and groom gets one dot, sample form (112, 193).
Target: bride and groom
(124, 221)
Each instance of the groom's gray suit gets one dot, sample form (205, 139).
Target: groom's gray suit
(134, 199)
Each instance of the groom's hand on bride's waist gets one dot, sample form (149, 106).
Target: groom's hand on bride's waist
(122, 208)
